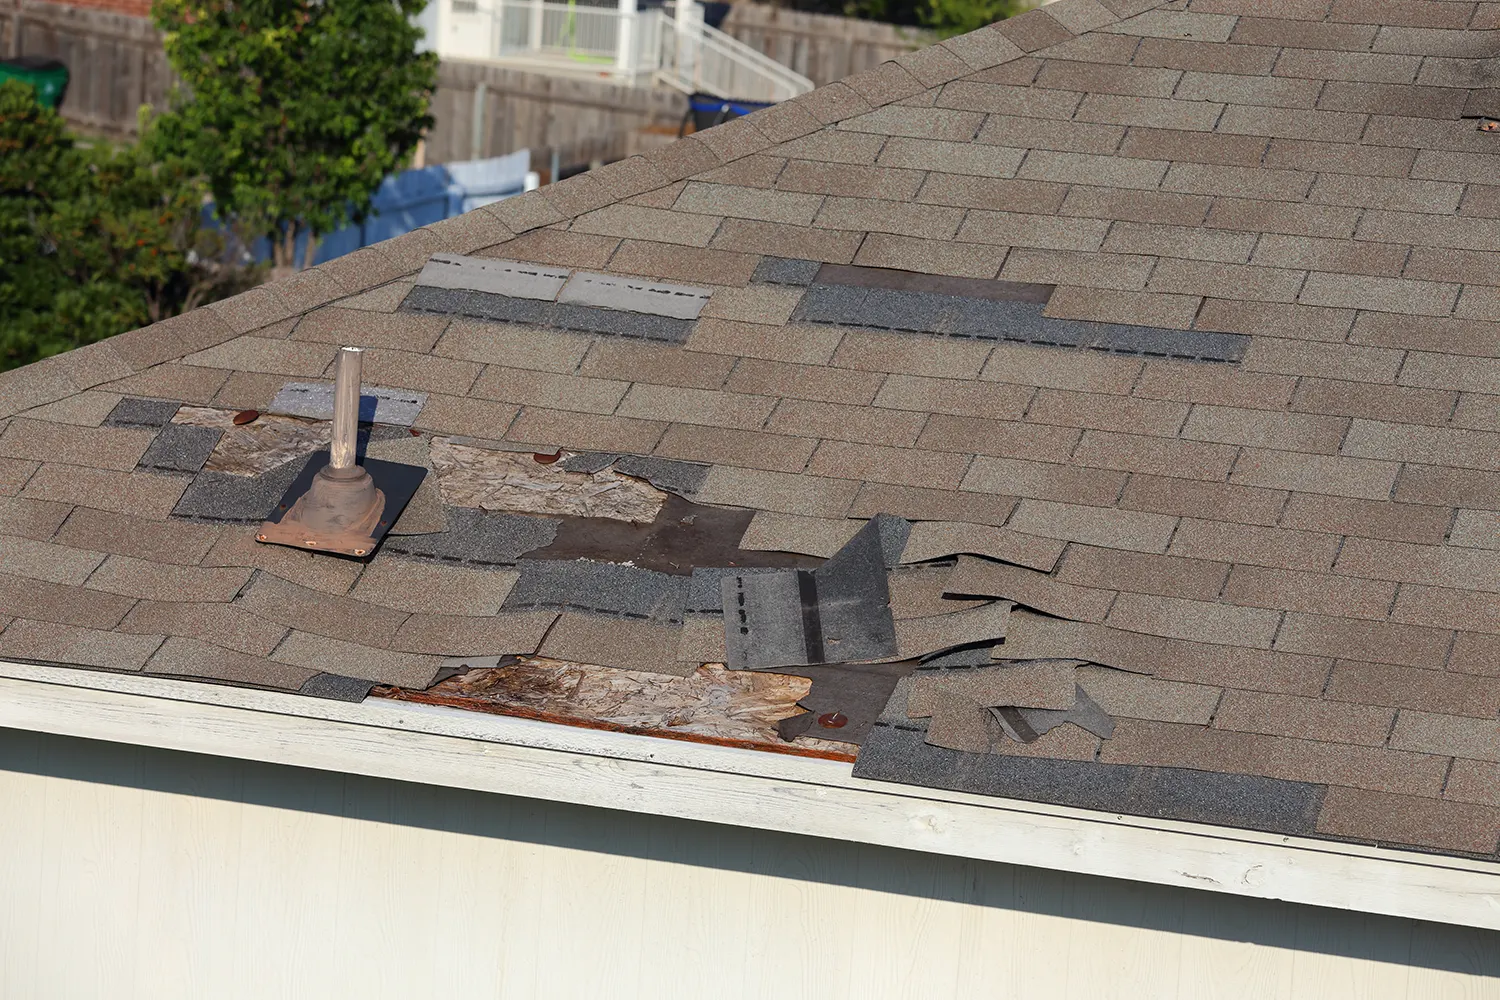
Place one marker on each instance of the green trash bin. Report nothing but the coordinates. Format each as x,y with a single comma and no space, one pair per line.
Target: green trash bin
48,76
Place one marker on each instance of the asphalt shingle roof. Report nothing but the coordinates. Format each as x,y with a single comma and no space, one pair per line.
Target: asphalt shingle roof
1285,540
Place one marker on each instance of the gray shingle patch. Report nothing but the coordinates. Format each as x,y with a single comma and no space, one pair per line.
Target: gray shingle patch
336,687
664,473
991,289
1021,322
377,404
705,592
501,277
132,412
479,537
448,301
901,754
588,462
603,588
838,613
785,271
218,496
613,291
561,315
181,448
592,319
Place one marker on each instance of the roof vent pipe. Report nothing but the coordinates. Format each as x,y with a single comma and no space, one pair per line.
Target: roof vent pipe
342,508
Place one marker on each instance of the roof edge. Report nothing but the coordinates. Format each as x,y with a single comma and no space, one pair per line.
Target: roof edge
448,747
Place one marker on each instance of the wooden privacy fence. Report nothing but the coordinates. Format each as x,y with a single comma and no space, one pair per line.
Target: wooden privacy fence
821,47
115,61
485,110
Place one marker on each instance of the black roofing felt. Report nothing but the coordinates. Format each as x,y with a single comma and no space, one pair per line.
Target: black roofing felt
901,754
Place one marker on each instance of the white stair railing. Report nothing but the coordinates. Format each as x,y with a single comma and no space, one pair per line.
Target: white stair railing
635,47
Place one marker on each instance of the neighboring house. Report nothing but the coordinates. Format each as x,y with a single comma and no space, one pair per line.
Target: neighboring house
1165,336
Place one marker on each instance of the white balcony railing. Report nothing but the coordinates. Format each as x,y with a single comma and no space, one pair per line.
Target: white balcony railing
630,45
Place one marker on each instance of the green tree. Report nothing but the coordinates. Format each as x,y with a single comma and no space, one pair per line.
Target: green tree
95,240
295,110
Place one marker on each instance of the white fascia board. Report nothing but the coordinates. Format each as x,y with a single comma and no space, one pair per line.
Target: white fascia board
488,753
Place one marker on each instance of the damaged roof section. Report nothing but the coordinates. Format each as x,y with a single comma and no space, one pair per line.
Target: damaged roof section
1167,334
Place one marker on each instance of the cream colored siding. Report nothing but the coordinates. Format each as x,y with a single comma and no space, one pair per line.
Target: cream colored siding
129,872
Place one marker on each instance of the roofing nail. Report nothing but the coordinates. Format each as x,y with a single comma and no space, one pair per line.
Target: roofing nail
543,458
833,720
246,417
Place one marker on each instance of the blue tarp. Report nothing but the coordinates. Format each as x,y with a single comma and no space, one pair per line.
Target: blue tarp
416,198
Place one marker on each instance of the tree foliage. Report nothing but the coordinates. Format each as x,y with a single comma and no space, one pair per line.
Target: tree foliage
295,110
94,240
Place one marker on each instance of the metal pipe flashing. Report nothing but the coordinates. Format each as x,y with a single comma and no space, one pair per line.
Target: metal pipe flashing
346,383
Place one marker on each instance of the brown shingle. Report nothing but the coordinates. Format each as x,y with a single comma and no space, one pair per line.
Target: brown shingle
513,346
1035,442
1044,232
192,658
32,518
1097,270
1100,78
1375,642
221,624
324,614
631,645
1397,404
999,193
419,371
510,632
1458,736
1261,429
746,449
408,585
1167,745
974,577
1215,501
271,357
834,385
1154,455
1019,136
385,666
585,431
1257,546
532,388
1407,819
1335,475
1304,718
712,407
1142,573
867,425
49,641
1042,480
1140,206
902,466
1116,529
922,504
138,493
1196,383
899,354
748,203
796,344
1200,621
173,381
769,304
638,222
1318,593
559,247
1473,781
1135,696
675,263
118,448
1053,369
469,417
237,546
1158,307
401,331
655,364
35,560
1181,241
157,581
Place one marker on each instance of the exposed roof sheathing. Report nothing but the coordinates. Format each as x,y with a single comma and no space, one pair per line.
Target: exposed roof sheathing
1235,459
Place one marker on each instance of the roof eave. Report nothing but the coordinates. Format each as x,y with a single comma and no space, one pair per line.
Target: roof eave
448,747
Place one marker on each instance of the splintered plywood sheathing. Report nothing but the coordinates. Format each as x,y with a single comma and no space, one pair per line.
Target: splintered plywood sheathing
339,506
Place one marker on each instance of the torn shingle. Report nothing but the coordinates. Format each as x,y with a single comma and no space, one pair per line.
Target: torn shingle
181,448
983,625
1045,684
1025,724
131,412
664,473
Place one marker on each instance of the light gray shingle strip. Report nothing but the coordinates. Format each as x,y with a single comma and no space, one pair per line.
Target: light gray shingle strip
134,412
181,448
656,298
377,404
900,753
516,279
602,588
